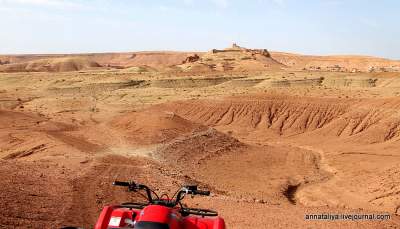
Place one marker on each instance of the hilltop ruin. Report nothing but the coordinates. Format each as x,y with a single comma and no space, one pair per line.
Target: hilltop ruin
234,58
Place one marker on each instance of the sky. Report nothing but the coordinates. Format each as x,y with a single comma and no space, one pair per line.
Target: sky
319,27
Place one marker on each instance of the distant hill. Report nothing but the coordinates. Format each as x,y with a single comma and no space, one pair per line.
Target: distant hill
234,58
343,63
59,64
13,63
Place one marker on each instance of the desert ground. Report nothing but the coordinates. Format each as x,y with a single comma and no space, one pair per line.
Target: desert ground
273,135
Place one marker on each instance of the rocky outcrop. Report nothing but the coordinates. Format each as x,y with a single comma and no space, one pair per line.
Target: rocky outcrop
234,58
237,48
4,62
191,59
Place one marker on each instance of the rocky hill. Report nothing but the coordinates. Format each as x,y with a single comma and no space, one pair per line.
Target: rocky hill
235,58
347,63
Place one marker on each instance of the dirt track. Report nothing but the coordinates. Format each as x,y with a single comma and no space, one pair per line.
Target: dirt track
268,147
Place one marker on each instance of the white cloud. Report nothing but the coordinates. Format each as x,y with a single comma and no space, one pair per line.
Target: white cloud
279,2
369,22
44,3
36,2
221,3
188,2
164,8
333,2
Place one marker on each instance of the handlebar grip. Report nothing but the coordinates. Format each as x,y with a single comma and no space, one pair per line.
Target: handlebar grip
121,183
204,193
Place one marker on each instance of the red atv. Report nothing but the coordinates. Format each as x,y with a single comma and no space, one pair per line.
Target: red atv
159,213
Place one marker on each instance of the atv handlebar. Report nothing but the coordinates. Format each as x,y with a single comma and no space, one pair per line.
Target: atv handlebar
192,189
203,193
180,195
132,186
121,183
